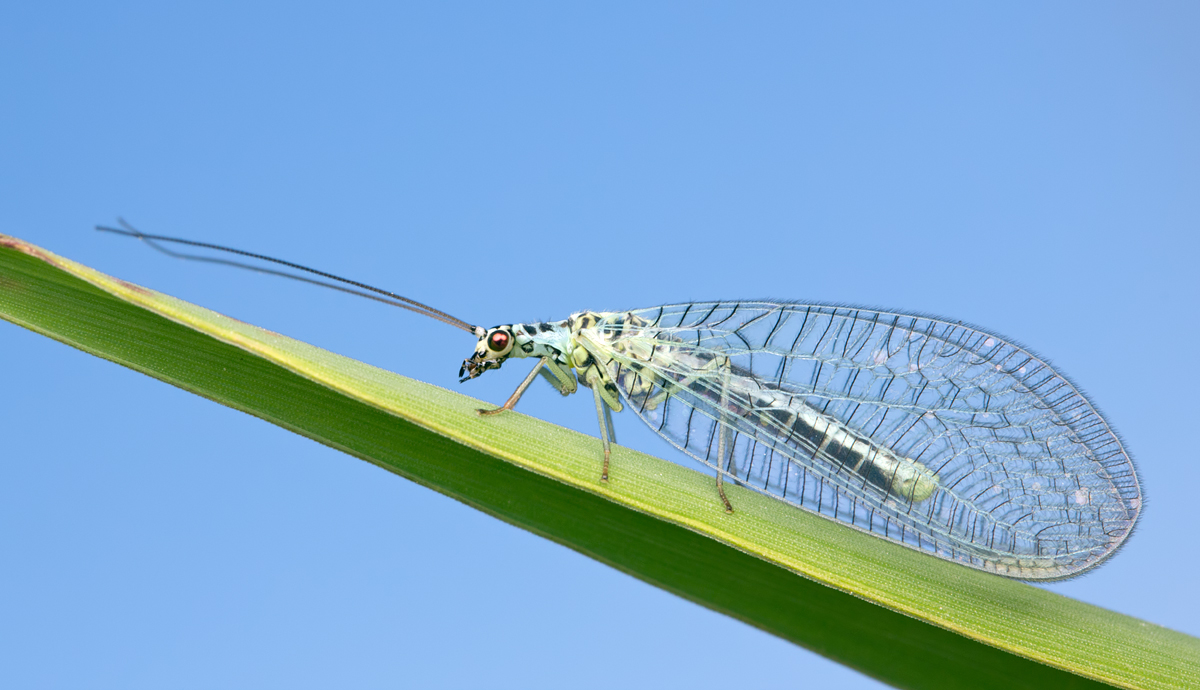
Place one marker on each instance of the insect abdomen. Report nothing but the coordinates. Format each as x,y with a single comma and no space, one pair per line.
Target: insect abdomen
841,447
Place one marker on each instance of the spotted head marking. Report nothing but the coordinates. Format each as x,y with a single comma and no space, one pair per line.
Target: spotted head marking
494,346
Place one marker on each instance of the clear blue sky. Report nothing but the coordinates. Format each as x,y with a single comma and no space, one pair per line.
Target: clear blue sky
1034,169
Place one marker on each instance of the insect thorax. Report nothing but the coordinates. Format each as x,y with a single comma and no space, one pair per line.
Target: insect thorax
561,340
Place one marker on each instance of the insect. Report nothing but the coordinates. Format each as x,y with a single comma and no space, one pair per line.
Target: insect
927,432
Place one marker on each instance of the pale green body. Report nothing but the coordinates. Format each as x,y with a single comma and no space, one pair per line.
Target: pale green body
602,351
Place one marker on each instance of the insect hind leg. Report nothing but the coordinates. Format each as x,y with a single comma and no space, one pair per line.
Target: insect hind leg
605,418
668,387
724,446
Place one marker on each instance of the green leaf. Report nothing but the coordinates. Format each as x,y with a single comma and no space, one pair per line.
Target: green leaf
900,616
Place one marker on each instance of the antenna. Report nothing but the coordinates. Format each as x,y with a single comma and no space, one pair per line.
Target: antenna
388,297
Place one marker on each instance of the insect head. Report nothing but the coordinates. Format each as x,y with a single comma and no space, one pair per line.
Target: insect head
494,346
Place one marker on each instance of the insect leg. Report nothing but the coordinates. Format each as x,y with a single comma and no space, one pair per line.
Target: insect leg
612,429
605,418
512,399
559,376
721,443
667,387
723,438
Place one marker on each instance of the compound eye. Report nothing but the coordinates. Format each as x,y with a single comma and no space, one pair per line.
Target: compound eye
499,342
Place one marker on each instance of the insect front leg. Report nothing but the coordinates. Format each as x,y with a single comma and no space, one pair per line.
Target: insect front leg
512,399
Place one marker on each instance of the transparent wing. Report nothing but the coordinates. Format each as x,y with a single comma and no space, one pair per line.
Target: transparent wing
934,434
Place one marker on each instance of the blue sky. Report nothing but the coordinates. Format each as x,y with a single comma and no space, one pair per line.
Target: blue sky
1032,169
